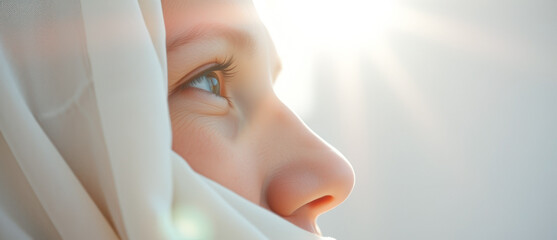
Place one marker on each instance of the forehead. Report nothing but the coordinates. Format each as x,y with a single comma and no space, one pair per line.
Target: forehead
204,21
181,15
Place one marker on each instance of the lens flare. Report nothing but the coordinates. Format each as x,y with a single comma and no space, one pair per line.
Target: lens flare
192,223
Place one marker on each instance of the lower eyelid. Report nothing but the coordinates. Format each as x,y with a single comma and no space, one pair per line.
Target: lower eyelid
201,101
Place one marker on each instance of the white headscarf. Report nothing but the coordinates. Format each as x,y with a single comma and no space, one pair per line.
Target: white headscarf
85,143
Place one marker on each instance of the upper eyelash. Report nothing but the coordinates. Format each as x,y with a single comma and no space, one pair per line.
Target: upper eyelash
226,67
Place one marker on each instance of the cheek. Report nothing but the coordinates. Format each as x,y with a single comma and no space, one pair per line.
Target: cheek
200,141
208,146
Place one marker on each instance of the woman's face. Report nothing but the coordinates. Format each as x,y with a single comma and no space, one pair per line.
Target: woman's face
228,123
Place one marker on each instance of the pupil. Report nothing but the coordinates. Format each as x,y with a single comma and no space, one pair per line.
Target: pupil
214,83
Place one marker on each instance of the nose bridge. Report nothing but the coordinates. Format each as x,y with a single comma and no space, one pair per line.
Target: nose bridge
306,176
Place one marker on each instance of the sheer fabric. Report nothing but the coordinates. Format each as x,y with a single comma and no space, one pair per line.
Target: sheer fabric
85,139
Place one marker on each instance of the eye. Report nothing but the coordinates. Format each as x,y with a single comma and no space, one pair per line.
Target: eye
209,82
212,79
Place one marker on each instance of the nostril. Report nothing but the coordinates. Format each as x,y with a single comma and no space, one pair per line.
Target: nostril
310,186
306,215
321,202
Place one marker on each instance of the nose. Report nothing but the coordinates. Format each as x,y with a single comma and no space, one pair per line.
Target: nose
304,176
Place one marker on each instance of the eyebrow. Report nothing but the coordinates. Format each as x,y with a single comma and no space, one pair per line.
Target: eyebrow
236,36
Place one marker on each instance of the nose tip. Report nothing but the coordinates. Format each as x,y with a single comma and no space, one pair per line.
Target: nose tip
315,179
304,176
306,188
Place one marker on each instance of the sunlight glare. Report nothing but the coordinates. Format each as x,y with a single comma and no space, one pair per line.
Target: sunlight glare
350,24
302,30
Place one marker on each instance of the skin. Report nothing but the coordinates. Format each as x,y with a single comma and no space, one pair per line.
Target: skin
249,142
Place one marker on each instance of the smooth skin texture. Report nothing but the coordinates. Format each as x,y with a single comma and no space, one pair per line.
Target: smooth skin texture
228,123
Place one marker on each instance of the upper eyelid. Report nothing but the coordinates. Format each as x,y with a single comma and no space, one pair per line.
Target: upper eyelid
212,68
196,73
215,66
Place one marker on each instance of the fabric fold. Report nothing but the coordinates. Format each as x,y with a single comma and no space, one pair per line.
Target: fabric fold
85,138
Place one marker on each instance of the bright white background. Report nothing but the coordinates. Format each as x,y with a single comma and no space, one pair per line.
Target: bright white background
446,109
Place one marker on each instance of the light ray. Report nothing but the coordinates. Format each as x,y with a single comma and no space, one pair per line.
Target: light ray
405,87
463,36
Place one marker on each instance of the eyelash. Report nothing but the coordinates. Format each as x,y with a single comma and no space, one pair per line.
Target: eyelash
227,70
